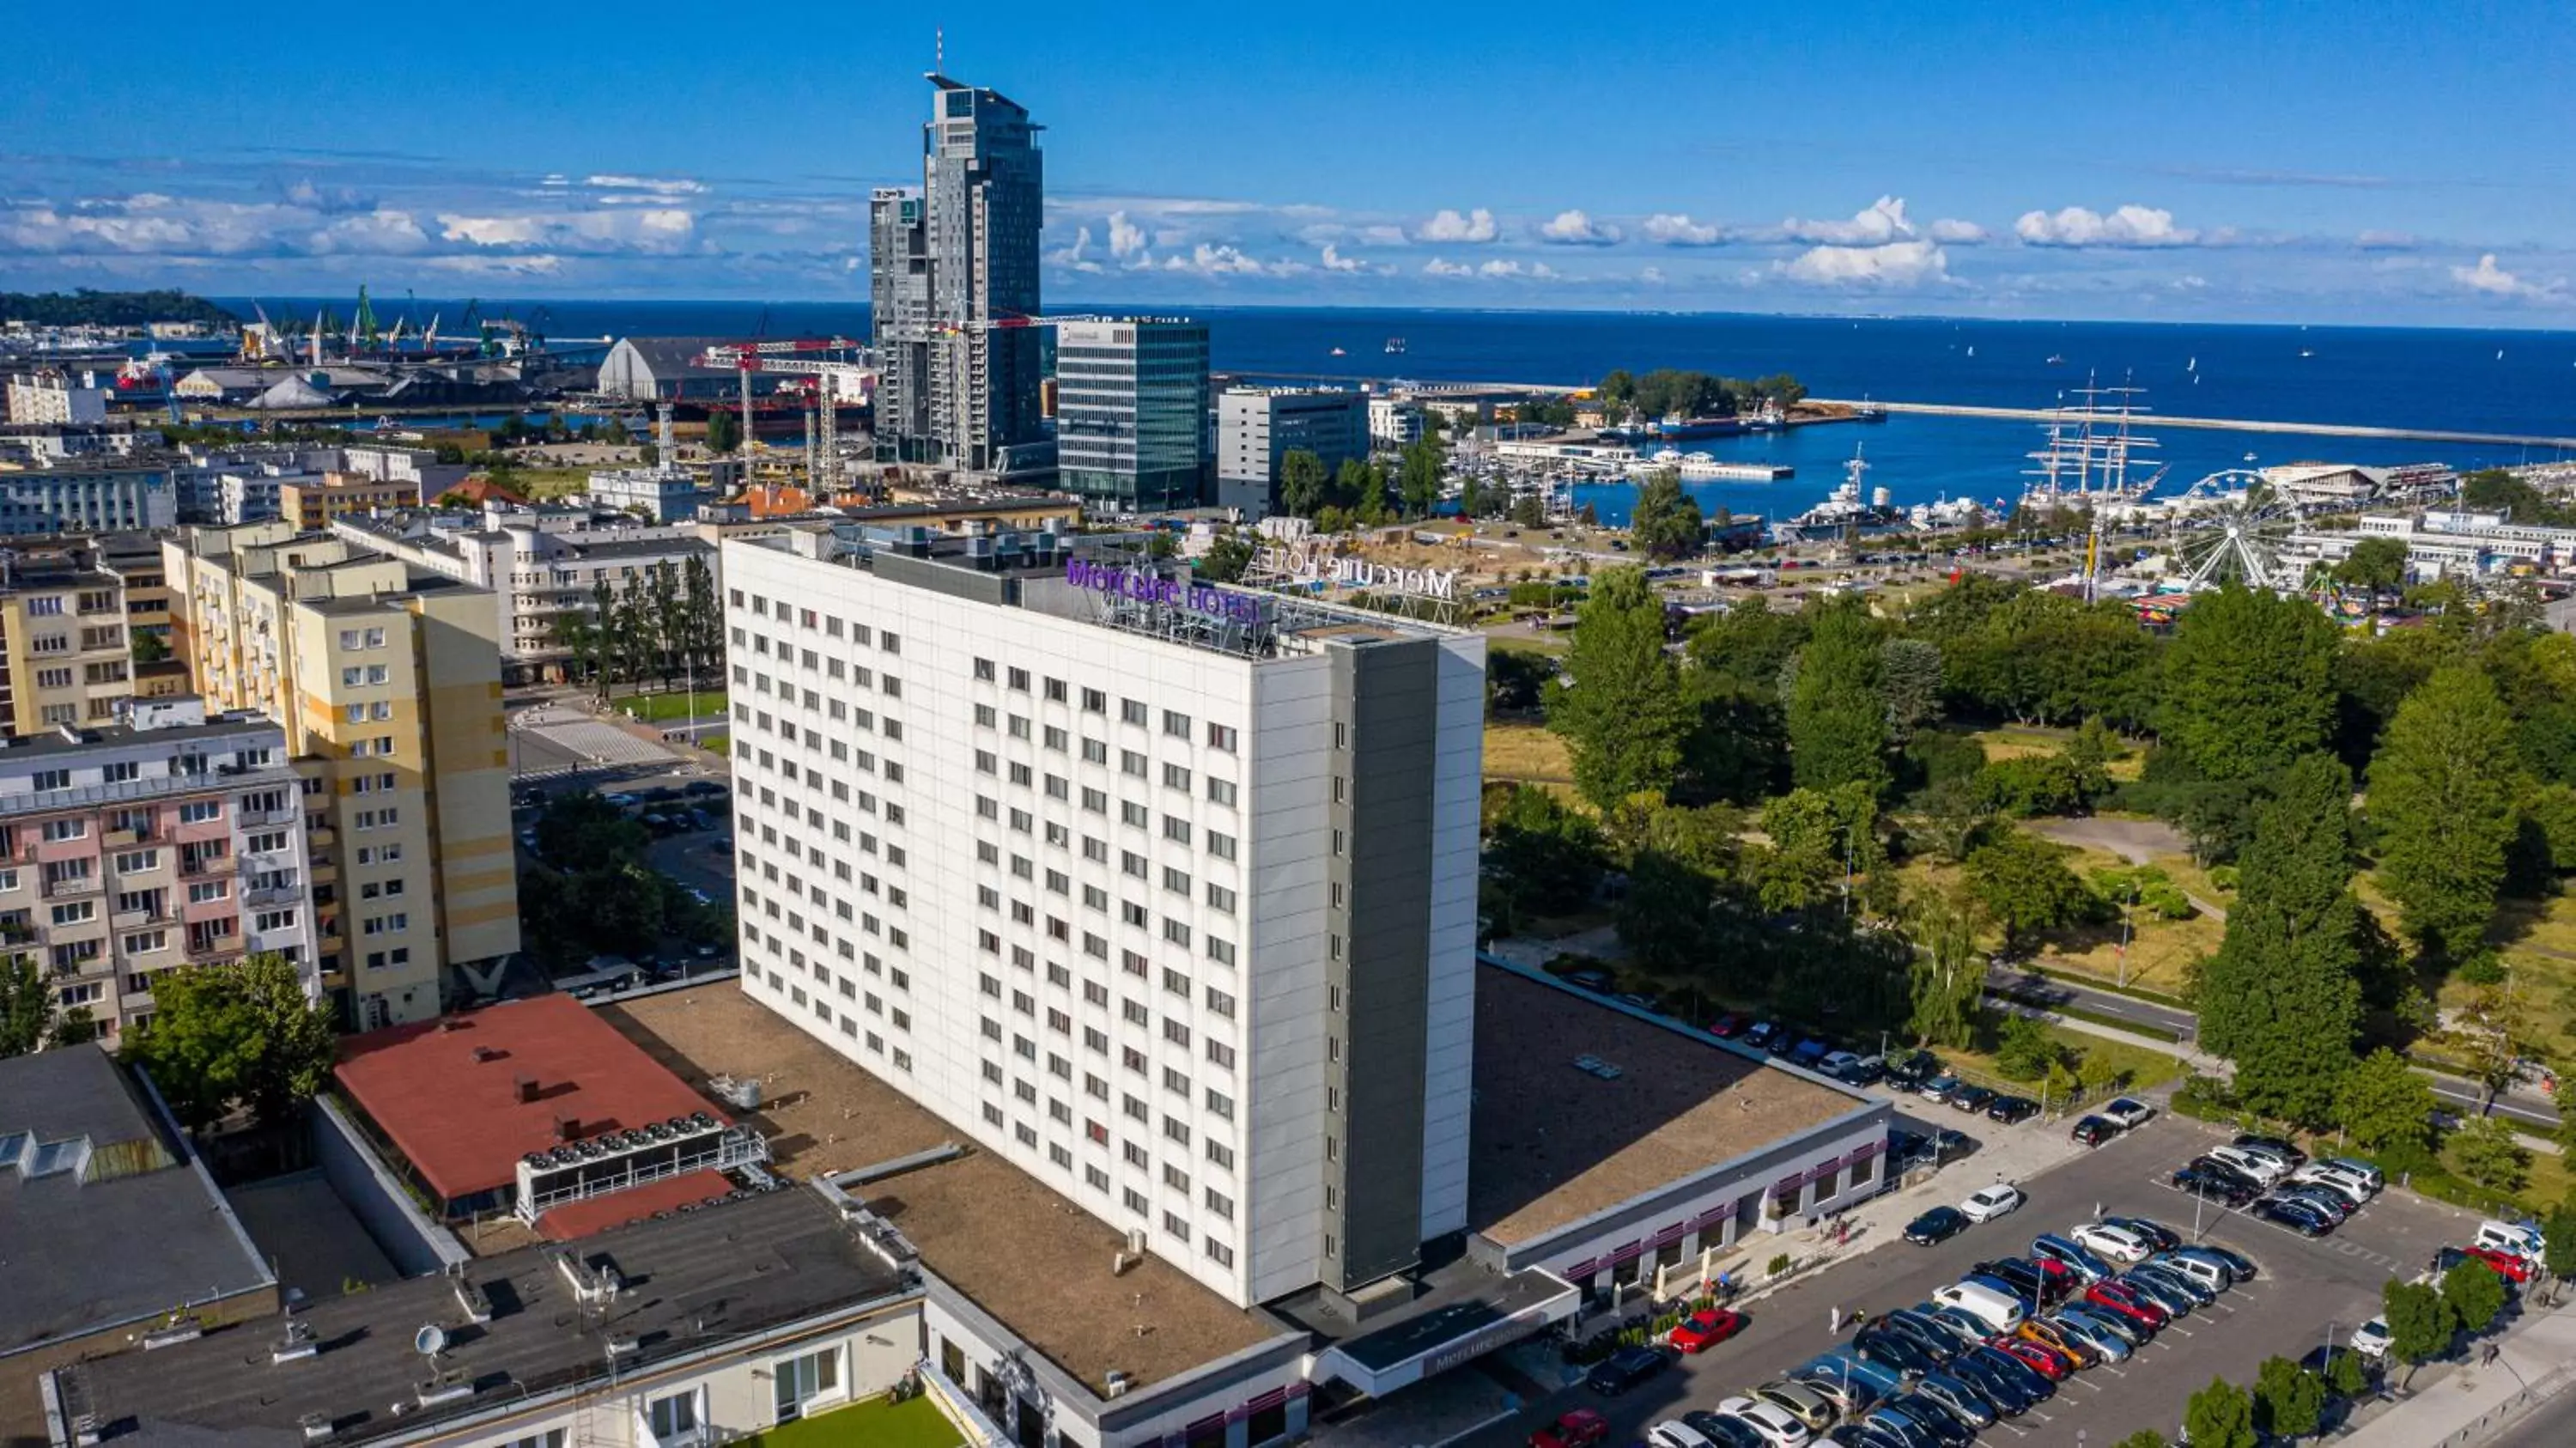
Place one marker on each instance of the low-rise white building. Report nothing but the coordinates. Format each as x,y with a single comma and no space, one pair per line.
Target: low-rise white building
53,397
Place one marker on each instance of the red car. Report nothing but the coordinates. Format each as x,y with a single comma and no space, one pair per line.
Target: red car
2047,1361
1728,1026
2128,1304
1705,1329
2508,1266
1580,1428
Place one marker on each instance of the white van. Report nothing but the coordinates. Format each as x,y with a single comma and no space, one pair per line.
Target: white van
1986,1305
2509,1237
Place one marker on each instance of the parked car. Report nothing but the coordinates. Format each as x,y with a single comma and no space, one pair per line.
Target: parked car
2242,1266
2372,1339
1773,1422
2028,1280
2127,1112
1964,1401
1911,1070
2011,1110
1724,1432
1971,1099
2035,1357
2110,1243
1799,1401
1705,1329
2163,1291
2128,1303
702,787
1934,1419
1623,1370
1987,1203
2325,1199
1579,1428
1863,1071
2510,1237
2077,1258
2262,1167
1763,1036
2207,1271
1936,1226
2210,1179
2092,1130
2289,1155
2305,1218
1997,1307
2508,1266
2088,1331
1728,1026
2158,1235
1938,1088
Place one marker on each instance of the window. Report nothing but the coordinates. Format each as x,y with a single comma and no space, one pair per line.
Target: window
1176,776
800,1381
1221,737
1094,702
1132,711
1220,791
1176,724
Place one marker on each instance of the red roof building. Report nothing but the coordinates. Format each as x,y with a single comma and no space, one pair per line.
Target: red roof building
459,1100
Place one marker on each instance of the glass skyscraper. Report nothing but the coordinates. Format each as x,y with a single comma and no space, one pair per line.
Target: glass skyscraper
953,273
1132,413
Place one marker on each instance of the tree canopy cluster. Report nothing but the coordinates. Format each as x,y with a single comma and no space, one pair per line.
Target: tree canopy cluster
594,893
664,625
84,307
1755,768
1673,392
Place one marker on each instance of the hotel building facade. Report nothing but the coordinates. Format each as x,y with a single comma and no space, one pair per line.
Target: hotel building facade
1164,893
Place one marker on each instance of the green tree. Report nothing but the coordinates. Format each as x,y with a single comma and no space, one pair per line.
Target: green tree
150,648
2282,996
1665,524
2420,1323
1947,983
2484,1151
1836,716
2383,1105
2024,1050
1302,483
2474,1293
2558,1241
1226,559
2487,1031
2024,884
237,1035
2289,1401
1909,678
724,430
1625,715
1547,856
2143,1438
1954,814
2374,563
2220,1416
1418,479
2442,804
1528,511
2248,682
26,1006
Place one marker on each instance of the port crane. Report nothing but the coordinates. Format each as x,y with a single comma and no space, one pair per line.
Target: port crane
788,356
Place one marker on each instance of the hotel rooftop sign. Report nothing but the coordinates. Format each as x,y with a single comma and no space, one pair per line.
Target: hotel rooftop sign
1309,561
1141,585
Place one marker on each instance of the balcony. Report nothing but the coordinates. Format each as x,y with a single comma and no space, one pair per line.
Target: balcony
273,895
214,867
74,887
138,919
215,946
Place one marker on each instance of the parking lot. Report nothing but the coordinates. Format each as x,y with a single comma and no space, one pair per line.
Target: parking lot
2308,1289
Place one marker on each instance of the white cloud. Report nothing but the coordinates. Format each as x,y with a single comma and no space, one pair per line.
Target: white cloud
1477,226
1576,228
1878,223
1956,233
1334,261
1536,270
1125,237
1652,276
660,185
2385,241
497,266
654,228
1208,260
2129,226
1672,228
1439,267
1077,257
2488,279
1897,264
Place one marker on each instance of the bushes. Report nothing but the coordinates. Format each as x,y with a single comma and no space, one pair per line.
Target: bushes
2147,887
2034,784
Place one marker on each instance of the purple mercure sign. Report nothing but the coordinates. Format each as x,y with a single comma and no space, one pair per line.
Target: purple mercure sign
1146,587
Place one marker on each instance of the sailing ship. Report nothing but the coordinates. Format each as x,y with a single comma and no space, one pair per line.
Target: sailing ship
2094,455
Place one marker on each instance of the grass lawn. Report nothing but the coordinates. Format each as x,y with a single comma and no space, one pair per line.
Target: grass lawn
543,484
716,743
2144,1068
1532,753
2160,951
1551,645
2016,741
654,708
871,1423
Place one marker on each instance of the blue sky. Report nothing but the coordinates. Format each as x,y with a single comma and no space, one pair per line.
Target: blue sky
2350,163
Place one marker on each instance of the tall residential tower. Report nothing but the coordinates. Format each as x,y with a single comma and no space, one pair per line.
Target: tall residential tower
953,274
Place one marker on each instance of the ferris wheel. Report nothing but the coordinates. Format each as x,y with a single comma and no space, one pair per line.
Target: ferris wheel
2236,533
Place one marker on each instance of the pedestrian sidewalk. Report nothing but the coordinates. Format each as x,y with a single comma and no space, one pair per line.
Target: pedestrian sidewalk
2534,1362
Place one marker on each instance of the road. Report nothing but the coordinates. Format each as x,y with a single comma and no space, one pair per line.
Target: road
2528,1108
2554,1426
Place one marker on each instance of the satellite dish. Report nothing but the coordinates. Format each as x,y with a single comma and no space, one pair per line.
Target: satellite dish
430,1341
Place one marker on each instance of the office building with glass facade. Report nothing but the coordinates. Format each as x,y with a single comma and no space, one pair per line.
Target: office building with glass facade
1131,413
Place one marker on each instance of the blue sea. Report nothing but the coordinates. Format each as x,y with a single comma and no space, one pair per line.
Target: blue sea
2465,380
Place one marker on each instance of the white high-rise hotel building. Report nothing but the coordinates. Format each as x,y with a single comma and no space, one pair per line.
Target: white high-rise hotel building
1166,894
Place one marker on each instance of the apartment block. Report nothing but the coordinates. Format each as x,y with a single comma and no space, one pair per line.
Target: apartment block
86,496
310,506
54,397
1164,893
64,651
129,851
387,680
538,565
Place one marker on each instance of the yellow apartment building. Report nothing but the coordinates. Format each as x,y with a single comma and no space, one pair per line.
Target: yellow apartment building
388,682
